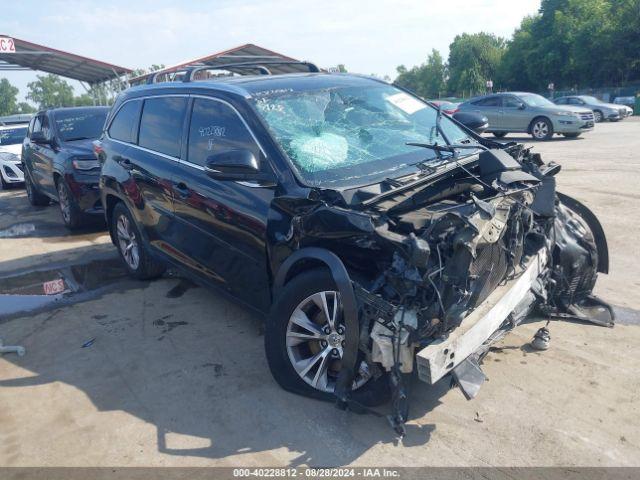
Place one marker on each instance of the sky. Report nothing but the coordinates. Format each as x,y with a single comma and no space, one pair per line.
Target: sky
367,36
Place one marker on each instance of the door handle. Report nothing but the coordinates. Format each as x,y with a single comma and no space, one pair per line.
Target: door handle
182,190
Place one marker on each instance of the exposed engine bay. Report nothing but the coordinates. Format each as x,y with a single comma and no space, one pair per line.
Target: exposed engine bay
443,266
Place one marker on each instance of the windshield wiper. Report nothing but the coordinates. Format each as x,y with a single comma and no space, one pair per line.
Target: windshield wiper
449,148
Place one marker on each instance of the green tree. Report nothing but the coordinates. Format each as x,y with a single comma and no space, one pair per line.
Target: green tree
575,43
84,100
24,107
50,91
8,97
474,59
427,80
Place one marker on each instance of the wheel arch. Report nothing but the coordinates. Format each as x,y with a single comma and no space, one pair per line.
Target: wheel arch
596,228
538,117
313,257
110,202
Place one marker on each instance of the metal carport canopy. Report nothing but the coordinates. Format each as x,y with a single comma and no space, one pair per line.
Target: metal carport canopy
31,56
244,53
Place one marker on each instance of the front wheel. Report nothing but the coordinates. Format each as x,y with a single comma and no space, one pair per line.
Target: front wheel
131,247
597,116
304,340
71,213
541,129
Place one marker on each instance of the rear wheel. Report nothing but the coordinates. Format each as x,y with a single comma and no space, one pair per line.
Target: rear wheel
499,134
36,198
71,213
541,129
133,251
304,341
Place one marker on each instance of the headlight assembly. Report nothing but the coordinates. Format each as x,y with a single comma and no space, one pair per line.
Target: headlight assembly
85,164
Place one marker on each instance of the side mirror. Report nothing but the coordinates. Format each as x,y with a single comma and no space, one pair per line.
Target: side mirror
39,138
234,165
522,106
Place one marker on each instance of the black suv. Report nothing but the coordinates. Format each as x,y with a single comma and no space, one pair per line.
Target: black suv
60,164
372,231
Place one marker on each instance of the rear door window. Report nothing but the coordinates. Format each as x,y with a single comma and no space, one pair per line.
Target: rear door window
215,127
511,102
125,124
161,124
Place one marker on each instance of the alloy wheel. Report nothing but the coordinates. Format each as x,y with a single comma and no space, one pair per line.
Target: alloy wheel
540,129
127,242
597,116
64,202
315,339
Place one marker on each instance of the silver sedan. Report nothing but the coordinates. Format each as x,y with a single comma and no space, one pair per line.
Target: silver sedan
601,110
520,112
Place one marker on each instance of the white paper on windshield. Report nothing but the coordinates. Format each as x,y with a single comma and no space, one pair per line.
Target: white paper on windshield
406,103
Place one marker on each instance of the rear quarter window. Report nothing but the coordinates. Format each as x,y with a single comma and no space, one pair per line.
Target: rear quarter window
161,124
125,124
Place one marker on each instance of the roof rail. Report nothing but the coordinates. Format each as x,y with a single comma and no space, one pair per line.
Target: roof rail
261,66
154,75
188,73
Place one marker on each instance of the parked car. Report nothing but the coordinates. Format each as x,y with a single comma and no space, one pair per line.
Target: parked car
629,102
601,110
16,119
11,137
370,230
529,113
447,107
59,162
474,121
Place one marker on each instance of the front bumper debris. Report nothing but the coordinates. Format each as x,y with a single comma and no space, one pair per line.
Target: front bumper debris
443,356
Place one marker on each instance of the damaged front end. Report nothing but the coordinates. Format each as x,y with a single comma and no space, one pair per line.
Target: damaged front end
444,266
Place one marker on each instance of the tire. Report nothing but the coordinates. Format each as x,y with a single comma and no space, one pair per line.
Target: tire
499,134
137,259
5,185
598,116
541,128
572,135
36,198
71,214
280,329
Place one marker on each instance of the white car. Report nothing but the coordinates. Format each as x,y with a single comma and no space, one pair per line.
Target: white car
11,137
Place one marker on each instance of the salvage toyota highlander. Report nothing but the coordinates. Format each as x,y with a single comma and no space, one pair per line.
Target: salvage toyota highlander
377,234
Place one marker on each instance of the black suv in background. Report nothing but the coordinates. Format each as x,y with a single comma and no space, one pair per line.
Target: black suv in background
366,225
60,164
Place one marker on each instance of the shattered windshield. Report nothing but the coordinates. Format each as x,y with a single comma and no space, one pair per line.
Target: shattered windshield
350,135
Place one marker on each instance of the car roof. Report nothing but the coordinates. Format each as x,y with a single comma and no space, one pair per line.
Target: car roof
249,85
74,109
